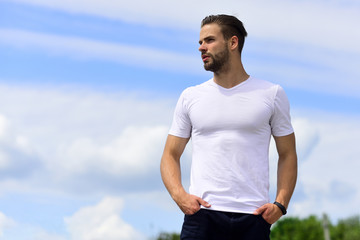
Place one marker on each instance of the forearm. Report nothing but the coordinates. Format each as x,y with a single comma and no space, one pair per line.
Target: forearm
287,174
171,175
286,178
170,165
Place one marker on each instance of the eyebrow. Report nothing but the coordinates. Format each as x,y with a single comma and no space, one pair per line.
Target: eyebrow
205,39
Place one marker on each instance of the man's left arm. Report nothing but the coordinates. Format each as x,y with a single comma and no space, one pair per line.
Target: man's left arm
286,178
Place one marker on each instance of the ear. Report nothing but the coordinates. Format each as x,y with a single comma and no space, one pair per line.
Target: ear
233,42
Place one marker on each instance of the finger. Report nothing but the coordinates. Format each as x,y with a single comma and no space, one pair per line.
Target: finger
260,210
193,210
203,203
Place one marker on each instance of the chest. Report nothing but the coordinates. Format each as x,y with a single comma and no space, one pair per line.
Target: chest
241,112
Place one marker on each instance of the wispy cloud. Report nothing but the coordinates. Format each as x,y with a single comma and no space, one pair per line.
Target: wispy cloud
308,68
296,21
86,49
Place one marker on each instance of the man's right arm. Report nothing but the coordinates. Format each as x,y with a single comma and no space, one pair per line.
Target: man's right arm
171,176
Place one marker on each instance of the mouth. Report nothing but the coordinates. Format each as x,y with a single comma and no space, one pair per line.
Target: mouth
205,57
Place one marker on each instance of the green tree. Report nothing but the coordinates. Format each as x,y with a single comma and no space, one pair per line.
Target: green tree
310,228
347,229
168,236
296,229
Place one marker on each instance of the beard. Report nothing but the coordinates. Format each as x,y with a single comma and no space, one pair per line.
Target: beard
218,61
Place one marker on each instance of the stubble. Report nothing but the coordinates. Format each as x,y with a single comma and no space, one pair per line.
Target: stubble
218,61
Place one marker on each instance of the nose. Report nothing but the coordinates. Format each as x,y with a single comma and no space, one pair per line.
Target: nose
202,48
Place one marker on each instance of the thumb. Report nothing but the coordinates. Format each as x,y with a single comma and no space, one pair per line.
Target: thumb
204,203
260,210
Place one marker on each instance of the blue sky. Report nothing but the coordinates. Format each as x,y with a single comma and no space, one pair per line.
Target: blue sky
87,91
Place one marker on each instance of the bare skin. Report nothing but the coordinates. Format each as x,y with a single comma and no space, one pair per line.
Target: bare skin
232,73
286,178
212,41
171,175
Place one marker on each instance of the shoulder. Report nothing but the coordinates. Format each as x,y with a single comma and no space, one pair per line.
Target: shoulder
264,87
269,90
260,83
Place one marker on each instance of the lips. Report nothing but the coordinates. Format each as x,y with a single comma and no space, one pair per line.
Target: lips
205,57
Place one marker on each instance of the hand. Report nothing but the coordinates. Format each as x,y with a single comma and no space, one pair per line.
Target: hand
190,204
270,212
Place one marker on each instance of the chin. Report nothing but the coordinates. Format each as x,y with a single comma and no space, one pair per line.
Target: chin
207,66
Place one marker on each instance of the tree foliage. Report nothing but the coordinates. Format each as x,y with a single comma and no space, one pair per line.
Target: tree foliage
310,228
347,229
168,236
293,228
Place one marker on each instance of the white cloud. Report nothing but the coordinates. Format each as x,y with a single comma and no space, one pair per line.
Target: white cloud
314,67
307,135
101,221
81,141
87,142
132,153
328,176
330,24
72,142
85,49
44,235
5,223
15,153
305,67
3,126
11,230
327,165
313,43
97,222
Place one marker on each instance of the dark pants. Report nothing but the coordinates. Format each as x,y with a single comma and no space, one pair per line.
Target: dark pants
216,225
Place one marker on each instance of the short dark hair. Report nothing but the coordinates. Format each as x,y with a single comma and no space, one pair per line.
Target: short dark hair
230,26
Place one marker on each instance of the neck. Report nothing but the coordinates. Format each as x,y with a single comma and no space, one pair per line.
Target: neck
231,75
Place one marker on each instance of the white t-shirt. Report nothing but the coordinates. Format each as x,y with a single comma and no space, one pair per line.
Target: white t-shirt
230,131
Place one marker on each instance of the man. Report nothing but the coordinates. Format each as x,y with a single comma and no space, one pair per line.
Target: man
230,119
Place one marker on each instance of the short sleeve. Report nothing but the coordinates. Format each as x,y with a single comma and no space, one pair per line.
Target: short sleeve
181,124
280,121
